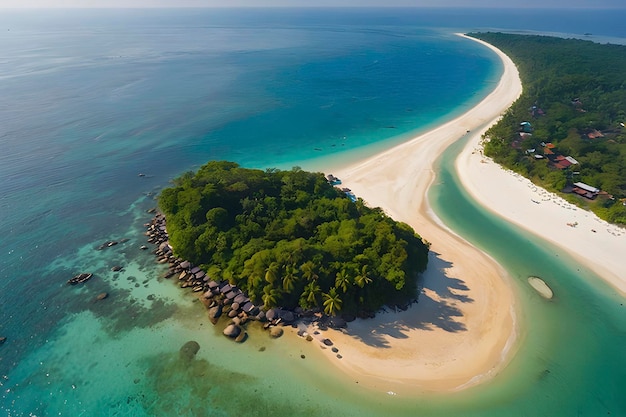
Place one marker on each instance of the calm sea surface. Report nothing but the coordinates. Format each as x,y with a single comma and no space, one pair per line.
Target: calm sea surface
92,99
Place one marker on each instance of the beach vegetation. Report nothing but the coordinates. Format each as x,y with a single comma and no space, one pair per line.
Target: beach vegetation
290,239
574,102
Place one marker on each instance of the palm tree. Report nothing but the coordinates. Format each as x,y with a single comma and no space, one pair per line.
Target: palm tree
290,278
271,273
308,271
311,291
332,302
363,278
342,280
270,296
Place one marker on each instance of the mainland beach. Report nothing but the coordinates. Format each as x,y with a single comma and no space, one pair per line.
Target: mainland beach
463,329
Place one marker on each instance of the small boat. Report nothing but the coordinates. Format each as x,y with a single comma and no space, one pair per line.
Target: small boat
79,279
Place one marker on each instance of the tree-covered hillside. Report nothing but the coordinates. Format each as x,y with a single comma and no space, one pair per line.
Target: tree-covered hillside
568,125
289,238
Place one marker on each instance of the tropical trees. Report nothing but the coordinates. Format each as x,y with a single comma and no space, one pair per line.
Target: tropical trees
310,295
363,278
289,238
332,302
342,280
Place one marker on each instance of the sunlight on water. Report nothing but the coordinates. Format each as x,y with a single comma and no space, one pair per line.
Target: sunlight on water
98,99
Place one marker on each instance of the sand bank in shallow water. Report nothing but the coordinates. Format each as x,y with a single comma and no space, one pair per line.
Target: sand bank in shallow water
541,287
463,327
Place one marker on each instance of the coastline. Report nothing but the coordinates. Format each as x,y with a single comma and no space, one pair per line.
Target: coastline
593,242
463,329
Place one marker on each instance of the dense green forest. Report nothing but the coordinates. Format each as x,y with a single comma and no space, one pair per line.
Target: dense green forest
289,238
568,125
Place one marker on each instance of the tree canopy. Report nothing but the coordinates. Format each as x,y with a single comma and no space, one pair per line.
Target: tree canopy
289,238
574,101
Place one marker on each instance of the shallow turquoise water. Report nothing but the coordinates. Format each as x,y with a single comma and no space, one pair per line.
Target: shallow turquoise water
96,99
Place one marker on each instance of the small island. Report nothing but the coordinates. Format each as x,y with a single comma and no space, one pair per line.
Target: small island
291,239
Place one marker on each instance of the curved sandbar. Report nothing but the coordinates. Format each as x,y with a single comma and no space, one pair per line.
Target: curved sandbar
463,328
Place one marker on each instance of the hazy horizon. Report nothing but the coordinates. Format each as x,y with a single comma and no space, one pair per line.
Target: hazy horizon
513,4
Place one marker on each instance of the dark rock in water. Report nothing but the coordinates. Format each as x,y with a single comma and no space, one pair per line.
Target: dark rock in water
327,342
276,332
102,296
335,350
242,337
232,331
215,313
79,279
302,356
262,349
2,340
116,268
189,350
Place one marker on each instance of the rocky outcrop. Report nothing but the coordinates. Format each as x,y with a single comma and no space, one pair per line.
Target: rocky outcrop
80,278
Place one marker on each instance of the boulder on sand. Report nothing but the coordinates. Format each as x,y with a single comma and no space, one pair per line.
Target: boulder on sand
242,337
276,332
215,313
232,331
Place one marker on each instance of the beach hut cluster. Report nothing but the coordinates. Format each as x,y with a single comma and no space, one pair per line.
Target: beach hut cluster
219,297
334,181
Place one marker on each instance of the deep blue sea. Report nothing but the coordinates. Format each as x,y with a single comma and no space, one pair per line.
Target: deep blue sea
91,99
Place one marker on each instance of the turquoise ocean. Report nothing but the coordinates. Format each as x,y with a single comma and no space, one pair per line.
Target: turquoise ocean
91,99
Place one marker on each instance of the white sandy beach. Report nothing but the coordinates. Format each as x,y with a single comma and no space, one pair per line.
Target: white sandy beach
593,242
463,328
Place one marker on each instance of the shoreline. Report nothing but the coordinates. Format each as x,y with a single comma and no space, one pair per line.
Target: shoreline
593,242
463,331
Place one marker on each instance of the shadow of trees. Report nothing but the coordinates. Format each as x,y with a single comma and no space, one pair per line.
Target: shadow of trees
437,308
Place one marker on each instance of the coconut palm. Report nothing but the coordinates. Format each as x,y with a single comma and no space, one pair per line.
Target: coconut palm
271,273
308,271
342,280
310,293
332,302
363,278
270,296
289,278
